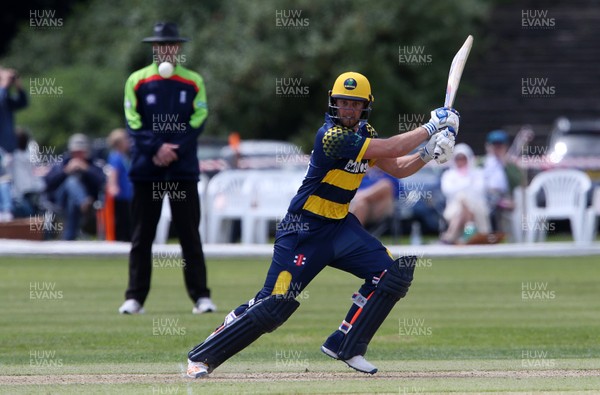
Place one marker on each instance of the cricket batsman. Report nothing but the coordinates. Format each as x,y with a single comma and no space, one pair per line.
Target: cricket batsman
319,231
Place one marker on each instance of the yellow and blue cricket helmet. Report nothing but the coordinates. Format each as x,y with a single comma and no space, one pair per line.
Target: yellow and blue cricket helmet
352,86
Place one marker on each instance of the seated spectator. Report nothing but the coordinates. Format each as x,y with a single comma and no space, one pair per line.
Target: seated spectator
463,185
74,184
118,185
26,185
374,200
501,178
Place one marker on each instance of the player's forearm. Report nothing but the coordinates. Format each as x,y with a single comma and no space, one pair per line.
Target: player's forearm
409,141
396,146
407,165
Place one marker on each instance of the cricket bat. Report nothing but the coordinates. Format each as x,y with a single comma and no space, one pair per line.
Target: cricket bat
456,70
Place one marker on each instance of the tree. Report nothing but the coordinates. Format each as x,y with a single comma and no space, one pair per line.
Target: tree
245,50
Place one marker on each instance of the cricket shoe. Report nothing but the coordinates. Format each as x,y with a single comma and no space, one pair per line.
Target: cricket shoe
204,305
196,370
131,306
357,362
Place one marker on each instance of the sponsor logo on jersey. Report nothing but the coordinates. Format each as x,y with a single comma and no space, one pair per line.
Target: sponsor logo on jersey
356,167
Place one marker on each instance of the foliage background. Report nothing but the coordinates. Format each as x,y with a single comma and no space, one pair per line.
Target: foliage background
240,51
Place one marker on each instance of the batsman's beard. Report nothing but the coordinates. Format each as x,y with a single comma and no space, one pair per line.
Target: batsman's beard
348,122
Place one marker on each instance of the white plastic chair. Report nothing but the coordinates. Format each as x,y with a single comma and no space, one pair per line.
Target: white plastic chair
271,193
518,233
202,188
162,229
566,198
591,218
227,198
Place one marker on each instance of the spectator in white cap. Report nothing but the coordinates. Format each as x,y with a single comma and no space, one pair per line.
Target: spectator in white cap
74,184
463,186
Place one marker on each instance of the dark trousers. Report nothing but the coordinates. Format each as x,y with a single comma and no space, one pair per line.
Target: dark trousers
304,246
185,211
122,220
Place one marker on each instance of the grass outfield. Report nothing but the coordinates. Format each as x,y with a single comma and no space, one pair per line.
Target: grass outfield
470,325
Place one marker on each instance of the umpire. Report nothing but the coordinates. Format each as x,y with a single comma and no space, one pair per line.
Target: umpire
165,114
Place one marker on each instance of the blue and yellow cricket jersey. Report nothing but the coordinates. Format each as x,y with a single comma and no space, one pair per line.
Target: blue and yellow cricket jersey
335,171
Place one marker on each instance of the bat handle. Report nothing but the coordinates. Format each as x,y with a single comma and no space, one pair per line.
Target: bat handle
437,152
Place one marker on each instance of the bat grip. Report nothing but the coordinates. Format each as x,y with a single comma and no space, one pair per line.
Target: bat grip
437,151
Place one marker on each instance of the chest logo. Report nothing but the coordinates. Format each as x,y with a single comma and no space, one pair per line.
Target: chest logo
356,167
151,99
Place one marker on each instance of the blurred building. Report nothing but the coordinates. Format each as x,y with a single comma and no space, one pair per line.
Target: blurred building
540,61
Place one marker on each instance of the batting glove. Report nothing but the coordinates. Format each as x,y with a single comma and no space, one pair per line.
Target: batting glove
442,118
444,146
426,152
439,147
